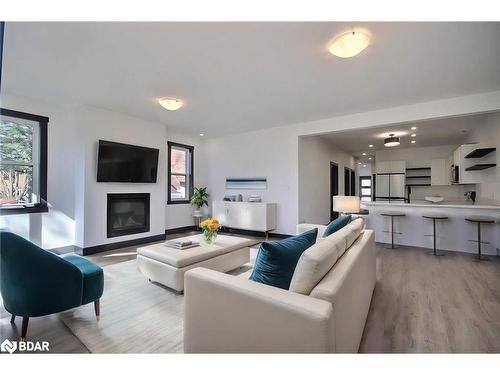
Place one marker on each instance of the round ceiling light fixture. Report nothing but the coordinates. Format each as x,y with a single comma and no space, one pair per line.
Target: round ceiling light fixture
170,104
349,44
391,141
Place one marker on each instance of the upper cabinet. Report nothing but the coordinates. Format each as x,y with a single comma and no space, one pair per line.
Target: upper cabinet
440,172
398,166
460,160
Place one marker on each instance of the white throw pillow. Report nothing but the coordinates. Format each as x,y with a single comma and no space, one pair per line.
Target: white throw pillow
315,262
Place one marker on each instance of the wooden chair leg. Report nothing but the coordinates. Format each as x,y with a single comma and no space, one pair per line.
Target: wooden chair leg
12,319
24,328
97,309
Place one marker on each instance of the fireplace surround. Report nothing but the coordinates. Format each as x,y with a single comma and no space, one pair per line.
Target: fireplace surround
127,213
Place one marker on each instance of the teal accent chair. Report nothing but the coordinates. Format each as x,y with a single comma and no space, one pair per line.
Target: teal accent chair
35,282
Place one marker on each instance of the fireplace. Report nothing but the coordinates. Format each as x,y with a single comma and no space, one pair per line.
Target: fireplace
127,214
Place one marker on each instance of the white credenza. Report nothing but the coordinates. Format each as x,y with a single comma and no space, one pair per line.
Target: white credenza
259,217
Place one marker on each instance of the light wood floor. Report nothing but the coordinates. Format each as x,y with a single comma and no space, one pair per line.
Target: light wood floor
420,304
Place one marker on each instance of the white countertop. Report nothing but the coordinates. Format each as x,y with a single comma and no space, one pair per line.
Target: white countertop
423,203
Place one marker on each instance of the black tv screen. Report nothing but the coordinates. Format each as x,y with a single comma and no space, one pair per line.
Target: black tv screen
118,162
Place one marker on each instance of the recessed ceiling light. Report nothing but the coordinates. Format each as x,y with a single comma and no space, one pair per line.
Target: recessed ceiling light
359,163
171,104
413,128
369,158
413,135
370,145
364,154
413,141
201,134
392,141
349,44
364,165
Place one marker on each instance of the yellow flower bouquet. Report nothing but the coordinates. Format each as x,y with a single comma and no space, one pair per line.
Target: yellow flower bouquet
210,228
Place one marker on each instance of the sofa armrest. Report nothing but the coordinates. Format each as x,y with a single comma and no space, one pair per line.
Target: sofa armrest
301,228
228,314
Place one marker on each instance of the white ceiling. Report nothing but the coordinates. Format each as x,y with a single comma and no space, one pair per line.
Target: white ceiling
235,77
449,131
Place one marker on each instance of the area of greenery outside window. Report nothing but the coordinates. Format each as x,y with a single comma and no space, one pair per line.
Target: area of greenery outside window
23,162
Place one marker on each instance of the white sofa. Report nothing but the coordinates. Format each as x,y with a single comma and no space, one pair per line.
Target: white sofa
325,313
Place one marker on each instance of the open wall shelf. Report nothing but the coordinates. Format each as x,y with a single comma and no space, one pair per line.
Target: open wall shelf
479,153
480,167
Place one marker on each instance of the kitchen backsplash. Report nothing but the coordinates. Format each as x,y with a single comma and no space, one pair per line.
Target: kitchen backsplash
453,193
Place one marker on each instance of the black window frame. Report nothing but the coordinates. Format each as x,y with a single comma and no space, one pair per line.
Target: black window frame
42,188
169,173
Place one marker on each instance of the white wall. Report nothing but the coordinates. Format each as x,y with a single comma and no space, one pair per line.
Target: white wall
181,215
416,156
315,155
488,135
270,153
95,124
56,228
77,203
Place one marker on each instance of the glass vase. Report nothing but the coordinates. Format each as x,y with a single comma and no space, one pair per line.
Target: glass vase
209,236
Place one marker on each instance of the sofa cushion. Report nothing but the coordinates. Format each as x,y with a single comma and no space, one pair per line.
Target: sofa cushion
318,260
276,260
337,224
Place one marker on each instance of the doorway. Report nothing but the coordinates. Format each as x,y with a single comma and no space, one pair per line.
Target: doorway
334,187
349,182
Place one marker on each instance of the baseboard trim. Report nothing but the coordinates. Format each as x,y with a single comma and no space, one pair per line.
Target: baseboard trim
64,250
244,232
188,228
116,245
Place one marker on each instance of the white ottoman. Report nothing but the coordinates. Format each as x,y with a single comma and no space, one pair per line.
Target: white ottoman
167,266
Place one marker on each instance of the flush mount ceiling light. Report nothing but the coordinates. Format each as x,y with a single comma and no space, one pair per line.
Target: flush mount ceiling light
392,141
364,154
370,145
349,44
201,134
171,104
413,135
413,141
413,128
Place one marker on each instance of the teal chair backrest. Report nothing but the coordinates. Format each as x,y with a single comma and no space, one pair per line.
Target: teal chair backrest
35,282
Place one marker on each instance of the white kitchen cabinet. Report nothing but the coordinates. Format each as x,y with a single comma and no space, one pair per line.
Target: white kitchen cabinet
466,177
393,166
254,216
440,172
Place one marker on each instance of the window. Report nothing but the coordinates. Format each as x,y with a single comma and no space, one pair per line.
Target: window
23,162
365,188
180,173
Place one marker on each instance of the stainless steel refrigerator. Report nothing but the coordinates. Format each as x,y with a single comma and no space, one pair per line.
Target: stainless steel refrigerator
390,186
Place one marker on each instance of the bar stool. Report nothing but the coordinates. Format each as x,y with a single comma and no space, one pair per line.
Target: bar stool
392,215
480,220
434,217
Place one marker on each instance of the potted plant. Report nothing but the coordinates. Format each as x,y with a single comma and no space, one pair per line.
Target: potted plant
199,199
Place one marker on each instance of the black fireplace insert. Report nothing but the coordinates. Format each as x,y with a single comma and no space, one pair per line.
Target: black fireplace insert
127,214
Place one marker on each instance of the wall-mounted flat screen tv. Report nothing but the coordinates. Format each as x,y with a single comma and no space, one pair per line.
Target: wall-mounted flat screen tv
118,162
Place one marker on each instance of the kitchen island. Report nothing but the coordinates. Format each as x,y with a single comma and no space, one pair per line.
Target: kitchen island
454,234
